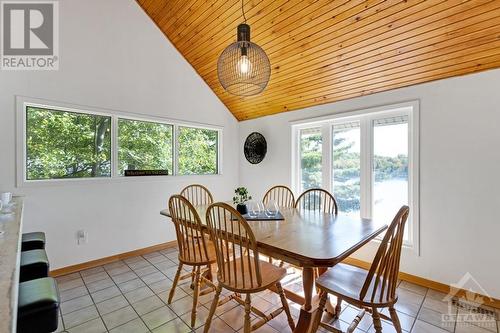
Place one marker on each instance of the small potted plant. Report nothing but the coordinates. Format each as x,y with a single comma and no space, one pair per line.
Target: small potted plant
240,200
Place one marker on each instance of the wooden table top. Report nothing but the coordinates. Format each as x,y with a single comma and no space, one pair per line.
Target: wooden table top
309,238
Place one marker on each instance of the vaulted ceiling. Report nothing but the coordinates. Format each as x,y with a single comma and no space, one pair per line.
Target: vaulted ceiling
323,51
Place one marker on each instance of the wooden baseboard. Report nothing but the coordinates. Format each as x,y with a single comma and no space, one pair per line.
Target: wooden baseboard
107,260
438,286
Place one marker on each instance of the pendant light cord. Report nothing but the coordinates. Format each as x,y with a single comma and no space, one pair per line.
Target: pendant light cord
243,12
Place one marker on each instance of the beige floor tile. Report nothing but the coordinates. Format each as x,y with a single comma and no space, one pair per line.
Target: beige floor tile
91,271
104,294
147,305
92,326
134,326
423,327
182,305
158,317
119,270
161,285
138,294
81,316
69,284
349,313
124,277
201,317
119,317
174,326
76,304
95,277
99,285
134,284
217,326
413,287
112,305
437,319
66,295
68,277
146,270
235,317
154,277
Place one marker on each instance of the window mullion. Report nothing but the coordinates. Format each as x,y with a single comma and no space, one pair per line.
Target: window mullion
366,167
327,150
114,146
175,152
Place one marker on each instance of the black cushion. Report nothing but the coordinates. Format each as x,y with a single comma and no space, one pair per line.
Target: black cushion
34,265
38,306
33,241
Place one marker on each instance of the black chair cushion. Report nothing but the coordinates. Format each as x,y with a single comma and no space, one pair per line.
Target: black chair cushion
34,265
33,241
38,306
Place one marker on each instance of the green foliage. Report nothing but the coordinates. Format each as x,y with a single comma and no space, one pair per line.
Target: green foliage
144,145
241,196
197,151
62,144
311,159
67,145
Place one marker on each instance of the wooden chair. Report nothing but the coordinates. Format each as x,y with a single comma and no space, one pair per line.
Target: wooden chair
194,249
240,270
197,195
368,290
317,199
281,194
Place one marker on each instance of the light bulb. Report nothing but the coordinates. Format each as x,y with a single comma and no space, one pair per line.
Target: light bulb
244,65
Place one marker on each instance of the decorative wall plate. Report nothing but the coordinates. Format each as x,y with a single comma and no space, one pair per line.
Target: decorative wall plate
255,148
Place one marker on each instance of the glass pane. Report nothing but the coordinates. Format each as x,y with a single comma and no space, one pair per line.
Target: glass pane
144,145
62,144
347,167
311,143
197,151
390,167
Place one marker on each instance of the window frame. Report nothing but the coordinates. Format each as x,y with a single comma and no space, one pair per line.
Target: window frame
21,150
366,117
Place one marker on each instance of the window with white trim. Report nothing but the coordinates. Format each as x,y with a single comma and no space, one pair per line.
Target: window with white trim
367,159
67,143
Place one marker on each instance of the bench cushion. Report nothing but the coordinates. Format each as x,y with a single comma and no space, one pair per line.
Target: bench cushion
33,241
34,265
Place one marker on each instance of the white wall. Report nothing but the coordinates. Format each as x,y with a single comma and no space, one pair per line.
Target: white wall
112,57
459,173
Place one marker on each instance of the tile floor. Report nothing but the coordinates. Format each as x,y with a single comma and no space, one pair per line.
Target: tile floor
131,296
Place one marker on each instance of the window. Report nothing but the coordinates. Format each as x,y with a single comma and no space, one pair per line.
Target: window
370,158
144,145
197,151
310,158
58,143
346,164
62,144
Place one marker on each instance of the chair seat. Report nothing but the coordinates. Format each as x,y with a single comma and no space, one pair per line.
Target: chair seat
34,265
270,275
346,281
33,241
199,260
38,306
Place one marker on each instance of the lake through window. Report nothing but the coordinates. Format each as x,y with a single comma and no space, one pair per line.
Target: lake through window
369,159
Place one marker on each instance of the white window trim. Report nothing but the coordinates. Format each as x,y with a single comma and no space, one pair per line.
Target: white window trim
22,102
412,110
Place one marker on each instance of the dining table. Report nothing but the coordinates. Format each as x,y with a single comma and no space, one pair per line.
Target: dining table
311,240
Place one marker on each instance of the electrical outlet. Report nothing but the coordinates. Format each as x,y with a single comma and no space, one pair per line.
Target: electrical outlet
81,237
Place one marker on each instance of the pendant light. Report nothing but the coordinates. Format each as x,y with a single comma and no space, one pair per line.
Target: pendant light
243,67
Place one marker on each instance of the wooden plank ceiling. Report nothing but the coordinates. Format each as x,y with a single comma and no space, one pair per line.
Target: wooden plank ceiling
323,51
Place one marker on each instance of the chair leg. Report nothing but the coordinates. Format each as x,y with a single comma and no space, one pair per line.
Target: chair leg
395,319
285,306
197,283
248,306
319,312
212,309
338,307
377,324
174,285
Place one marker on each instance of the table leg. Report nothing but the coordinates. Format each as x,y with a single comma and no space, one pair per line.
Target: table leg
306,312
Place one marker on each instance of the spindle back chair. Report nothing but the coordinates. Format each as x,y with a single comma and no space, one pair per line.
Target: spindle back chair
317,199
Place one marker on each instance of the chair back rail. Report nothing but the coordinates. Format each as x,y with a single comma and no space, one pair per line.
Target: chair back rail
235,247
383,274
281,194
197,194
188,228
317,199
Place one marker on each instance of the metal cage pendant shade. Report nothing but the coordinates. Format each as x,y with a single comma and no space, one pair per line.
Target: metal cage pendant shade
243,67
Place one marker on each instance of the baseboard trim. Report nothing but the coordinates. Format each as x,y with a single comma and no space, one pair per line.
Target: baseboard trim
438,286
107,260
